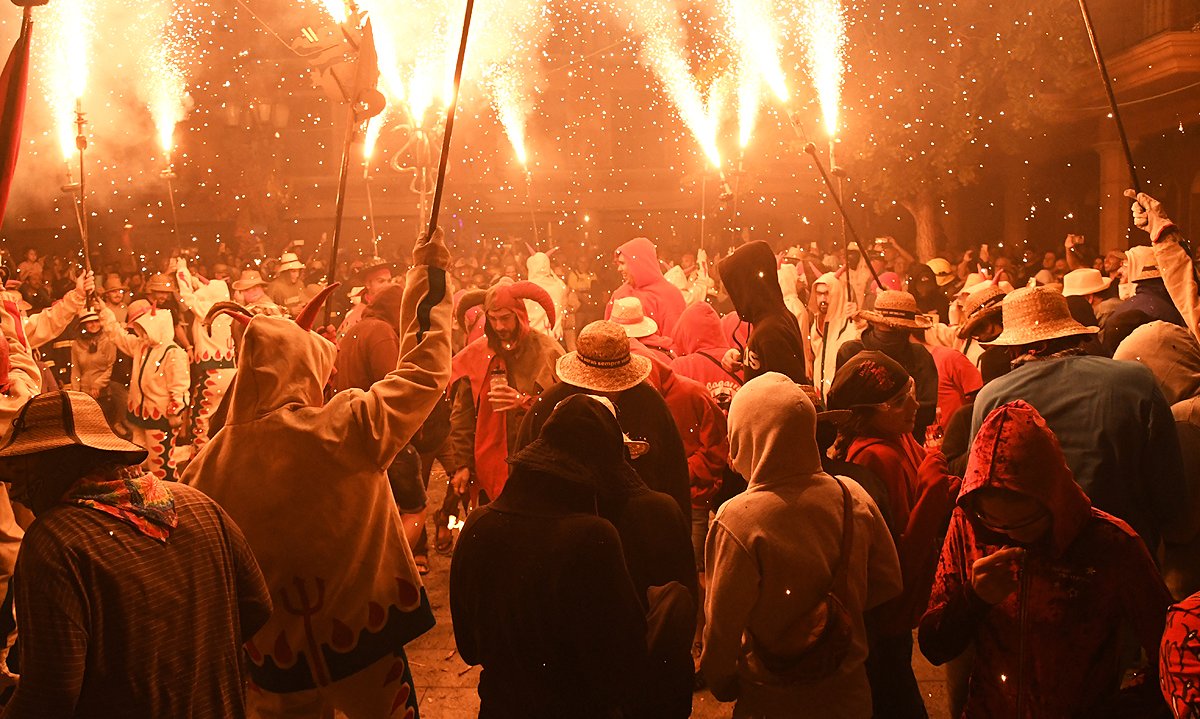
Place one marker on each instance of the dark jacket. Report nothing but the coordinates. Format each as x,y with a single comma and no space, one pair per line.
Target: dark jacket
644,416
1151,297
541,598
775,344
656,540
915,360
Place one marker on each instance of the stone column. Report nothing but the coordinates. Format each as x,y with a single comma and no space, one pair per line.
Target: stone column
1114,207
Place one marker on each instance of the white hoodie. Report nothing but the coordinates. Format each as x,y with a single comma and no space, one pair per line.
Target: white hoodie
828,336
160,376
540,274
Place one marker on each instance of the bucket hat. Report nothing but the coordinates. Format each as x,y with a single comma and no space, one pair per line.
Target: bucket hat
249,278
602,361
289,261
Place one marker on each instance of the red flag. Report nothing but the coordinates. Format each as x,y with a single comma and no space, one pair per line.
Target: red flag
13,84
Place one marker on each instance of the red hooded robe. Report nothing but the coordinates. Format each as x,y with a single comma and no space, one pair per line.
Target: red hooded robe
661,300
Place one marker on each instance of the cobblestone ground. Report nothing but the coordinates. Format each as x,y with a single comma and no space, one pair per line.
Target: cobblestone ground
447,686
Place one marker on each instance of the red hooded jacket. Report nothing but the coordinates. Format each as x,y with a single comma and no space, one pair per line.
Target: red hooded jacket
700,344
701,425
1089,576
661,300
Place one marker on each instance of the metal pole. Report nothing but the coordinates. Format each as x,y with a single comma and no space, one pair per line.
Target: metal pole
529,202
82,144
343,175
445,156
811,149
1112,99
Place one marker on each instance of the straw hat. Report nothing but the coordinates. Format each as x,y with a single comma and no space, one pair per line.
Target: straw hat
249,278
63,419
113,283
160,283
983,304
943,271
136,309
602,362
289,261
628,313
371,266
896,309
1036,314
1086,281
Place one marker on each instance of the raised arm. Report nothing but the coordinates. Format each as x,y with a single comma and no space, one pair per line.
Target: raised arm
1172,252
384,418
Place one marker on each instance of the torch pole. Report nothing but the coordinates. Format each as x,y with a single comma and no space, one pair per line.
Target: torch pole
445,156
1112,99
811,149
343,176
81,145
529,202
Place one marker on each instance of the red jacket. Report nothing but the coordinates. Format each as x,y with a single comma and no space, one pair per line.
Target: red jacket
700,344
1090,576
661,300
701,425
920,499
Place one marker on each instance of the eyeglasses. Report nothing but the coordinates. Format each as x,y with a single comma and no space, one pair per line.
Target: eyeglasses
910,390
1019,524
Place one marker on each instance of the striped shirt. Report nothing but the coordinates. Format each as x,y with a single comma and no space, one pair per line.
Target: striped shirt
115,624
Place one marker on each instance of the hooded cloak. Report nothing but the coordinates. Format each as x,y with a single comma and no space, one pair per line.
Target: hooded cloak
661,300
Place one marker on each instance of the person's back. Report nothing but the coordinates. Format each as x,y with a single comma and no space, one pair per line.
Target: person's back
1114,427
539,592
123,625
771,558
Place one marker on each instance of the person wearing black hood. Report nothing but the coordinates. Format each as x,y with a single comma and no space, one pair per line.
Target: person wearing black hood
539,592
922,283
775,343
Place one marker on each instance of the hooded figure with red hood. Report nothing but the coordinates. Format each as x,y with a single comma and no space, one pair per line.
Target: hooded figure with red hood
701,344
493,383
1042,584
661,300
775,344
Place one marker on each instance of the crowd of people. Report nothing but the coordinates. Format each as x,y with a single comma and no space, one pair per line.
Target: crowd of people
769,474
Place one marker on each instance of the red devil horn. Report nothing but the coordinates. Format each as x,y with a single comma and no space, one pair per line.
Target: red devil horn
527,290
308,315
233,309
469,299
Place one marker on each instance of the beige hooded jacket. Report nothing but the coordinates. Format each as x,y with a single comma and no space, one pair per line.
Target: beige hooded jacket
307,483
770,556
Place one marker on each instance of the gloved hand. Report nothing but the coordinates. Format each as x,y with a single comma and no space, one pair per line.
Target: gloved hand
85,283
1149,215
431,251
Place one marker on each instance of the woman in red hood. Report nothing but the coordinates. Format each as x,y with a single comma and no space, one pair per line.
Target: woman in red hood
661,300
1042,584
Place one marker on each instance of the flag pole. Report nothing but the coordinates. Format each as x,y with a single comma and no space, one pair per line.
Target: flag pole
445,156
1108,90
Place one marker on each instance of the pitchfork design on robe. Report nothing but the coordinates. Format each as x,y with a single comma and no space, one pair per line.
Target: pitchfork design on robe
306,610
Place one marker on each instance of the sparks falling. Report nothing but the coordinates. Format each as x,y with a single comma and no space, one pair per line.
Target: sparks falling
505,86
826,50
64,53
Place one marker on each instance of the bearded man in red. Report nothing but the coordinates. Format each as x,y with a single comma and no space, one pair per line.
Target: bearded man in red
494,381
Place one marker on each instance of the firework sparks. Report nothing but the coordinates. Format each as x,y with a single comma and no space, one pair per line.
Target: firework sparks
508,99
751,31
371,136
336,9
63,53
826,49
663,48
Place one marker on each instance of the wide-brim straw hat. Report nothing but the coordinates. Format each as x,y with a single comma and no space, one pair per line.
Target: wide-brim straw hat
984,303
64,419
1037,314
896,308
628,313
602,361
371,266
289,261
249,278
1084,281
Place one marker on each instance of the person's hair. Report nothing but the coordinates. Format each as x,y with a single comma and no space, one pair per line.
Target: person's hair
1045,348
858,425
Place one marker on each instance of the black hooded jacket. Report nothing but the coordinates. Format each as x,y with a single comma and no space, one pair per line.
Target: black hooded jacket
775,345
